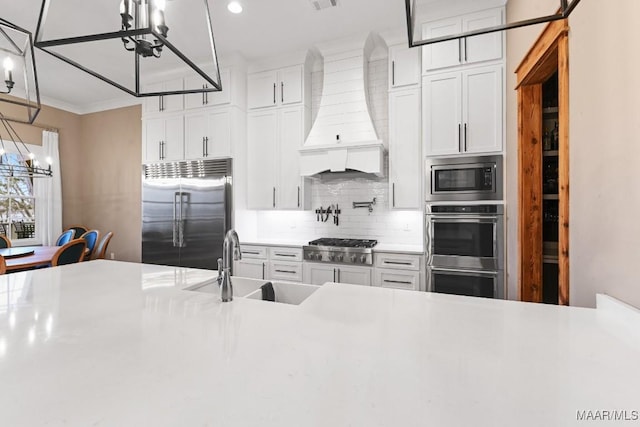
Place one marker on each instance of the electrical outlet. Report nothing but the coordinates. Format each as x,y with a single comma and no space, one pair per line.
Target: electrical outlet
113,256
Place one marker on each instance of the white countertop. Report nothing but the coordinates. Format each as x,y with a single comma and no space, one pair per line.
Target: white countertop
118,344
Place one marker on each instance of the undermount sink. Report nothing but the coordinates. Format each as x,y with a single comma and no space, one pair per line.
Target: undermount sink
287,293
242,286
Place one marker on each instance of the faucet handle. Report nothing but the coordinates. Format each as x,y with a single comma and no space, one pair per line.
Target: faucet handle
219,278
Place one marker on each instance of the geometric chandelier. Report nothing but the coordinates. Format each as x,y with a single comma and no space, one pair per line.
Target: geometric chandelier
24,164
420,12
19,93
129,43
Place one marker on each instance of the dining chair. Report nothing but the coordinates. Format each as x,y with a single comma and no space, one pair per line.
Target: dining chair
3,265
78,230
5,242
65,238
69,253
101,249
91,237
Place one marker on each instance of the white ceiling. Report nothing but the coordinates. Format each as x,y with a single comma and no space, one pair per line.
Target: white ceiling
266,28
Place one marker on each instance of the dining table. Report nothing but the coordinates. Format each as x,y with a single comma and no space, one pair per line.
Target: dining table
26,257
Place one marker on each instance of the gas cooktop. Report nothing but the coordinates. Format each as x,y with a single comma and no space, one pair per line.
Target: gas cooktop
345,251
344,243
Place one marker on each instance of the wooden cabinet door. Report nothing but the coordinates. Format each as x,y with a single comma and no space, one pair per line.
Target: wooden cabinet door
290,89
318,274
262,147
442,113
291,138
174,138
218,142
195,136
443,54
485,47
404,66
405,165
355,275
261,89
482,109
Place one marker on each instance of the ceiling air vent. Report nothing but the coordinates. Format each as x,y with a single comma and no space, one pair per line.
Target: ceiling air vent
323,4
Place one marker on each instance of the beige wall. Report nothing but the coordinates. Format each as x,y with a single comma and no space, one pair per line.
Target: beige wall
111,189
100,158
605,146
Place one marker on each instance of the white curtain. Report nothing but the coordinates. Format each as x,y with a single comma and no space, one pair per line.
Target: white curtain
48,193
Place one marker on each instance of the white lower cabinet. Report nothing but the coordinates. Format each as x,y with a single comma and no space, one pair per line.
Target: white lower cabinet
398,271
251,268
287,271
319,274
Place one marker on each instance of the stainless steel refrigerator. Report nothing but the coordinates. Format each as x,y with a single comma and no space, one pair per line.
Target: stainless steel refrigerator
186,212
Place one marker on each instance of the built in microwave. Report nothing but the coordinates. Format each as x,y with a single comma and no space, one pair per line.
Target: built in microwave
464,179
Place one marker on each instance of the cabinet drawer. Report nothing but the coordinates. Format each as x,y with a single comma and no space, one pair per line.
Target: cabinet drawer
282,270
398,261
256,252
285,254
253,269
409,280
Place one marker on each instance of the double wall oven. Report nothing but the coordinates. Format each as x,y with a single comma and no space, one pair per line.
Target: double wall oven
465,227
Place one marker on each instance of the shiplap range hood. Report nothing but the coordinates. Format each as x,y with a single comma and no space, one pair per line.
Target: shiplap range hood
343,137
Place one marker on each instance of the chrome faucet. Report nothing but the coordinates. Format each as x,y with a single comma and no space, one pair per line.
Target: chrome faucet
230,249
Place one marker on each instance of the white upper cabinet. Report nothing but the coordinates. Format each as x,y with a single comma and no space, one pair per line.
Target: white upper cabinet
163,139
208,99
463,111
404,66
469,50
164,103
208,134
274,138
275,87
262,137
405,165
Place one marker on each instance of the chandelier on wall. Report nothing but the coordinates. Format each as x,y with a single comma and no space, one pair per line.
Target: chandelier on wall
19,92
127,47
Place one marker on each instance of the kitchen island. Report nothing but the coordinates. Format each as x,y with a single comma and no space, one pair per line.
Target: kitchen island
120,344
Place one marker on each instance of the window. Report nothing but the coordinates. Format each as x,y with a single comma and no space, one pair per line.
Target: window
17,204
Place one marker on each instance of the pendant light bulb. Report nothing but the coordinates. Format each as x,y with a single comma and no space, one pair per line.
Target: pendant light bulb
8,64
48,160
32,156
234,7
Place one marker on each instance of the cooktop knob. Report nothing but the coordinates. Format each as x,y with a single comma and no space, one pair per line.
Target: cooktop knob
340,257
319,257
353,258
310,255
331,257
363,259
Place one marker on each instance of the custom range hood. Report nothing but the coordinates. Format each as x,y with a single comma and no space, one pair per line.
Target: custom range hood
343,137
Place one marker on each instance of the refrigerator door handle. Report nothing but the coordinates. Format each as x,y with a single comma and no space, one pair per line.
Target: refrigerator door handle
182,221
176,232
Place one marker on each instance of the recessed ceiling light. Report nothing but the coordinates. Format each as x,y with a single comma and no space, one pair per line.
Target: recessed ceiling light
234,7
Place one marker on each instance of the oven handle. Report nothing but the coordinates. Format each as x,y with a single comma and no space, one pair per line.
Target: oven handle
460,272
474,219
428,244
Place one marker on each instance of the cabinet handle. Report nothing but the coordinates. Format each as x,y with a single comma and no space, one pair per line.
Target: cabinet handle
338,274
286,271
206,95
274,197
334,274
288,255
251,252
393,73
159,103
204,150
159,150
459,51
459,137
282,92
263,271
203,101
398,281
465,137
393,194
206,145
465,49
162,102
298,196
398,263
274,93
